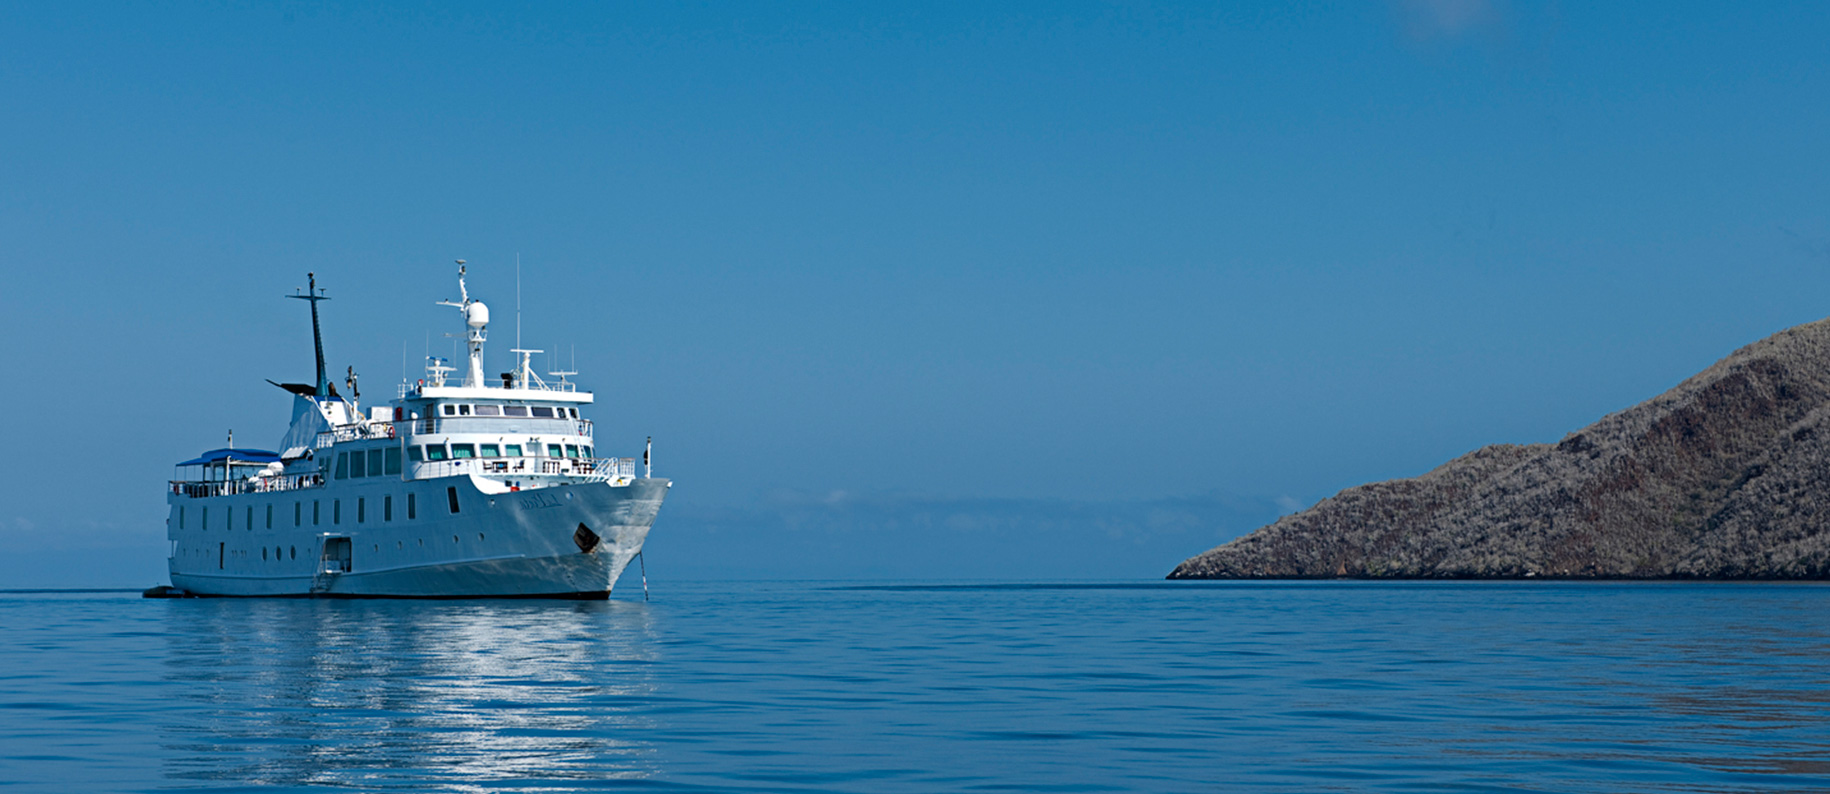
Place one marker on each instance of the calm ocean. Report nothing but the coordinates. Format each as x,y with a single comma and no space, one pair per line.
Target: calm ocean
1153,687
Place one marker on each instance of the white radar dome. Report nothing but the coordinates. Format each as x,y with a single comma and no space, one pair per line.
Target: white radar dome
477,315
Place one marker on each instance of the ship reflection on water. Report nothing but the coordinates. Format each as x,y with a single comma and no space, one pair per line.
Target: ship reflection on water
389,694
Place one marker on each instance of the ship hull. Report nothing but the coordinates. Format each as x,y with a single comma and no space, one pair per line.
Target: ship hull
461,537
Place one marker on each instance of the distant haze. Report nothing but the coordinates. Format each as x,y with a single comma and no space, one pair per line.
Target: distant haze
1008,280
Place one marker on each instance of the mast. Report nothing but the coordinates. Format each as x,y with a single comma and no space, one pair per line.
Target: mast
476,322
313,294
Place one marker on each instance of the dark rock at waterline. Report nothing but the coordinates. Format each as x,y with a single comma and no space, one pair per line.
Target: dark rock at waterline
1726,476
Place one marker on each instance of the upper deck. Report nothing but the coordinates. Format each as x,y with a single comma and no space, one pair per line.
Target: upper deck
525,432
537,392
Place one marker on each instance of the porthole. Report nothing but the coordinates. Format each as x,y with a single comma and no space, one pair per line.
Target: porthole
454,539
295,552
263,552
479,536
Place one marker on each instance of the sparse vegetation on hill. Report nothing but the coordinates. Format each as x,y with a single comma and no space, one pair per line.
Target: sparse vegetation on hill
1725,476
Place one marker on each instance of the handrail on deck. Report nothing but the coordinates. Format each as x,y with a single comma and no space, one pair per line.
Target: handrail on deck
198,489
370,431
598,469
525,466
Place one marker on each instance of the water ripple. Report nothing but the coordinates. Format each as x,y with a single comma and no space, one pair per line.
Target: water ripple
1034,687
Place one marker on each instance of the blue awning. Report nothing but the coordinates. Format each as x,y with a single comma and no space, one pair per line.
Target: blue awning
242,455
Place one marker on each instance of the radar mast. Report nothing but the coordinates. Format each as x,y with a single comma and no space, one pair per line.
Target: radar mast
476,324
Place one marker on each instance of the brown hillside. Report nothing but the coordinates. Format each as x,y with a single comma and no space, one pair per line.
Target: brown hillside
1725,476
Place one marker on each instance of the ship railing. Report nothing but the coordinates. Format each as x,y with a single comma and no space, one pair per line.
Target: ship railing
465,424
362,431
525,466
415,389
199,489
616,468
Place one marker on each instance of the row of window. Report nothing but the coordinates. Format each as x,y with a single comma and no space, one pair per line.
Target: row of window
533,411
292,552
370,463
317,513
462,451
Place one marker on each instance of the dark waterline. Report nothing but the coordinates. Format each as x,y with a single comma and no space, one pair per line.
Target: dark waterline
832,686
69,590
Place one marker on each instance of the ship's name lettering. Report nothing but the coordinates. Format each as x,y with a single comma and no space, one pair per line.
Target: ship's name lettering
537,501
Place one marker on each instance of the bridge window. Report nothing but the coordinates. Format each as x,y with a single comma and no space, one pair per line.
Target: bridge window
571,451
514,410
342,466
459,451
413,454
553,451
542,412
489,450
488,410
358,465
450,410
588,452
435,452
374,463
463,410
512,450
392,461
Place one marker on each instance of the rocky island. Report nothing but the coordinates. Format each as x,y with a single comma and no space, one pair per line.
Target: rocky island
1726,476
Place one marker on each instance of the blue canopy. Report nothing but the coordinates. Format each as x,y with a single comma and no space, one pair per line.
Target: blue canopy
245,455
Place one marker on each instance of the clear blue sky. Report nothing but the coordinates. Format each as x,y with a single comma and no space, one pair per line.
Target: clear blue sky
1001,263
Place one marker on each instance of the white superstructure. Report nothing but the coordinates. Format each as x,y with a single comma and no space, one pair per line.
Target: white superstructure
449,491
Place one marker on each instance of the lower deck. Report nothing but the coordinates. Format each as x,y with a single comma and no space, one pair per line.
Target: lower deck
441,537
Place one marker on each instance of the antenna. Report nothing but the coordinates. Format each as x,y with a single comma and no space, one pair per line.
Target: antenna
313,294
517,299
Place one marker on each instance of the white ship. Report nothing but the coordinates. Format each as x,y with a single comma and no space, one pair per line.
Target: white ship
450,491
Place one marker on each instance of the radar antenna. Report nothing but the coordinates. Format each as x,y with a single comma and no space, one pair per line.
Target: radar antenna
476,322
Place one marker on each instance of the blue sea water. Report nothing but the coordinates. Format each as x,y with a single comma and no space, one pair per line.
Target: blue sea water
1153,687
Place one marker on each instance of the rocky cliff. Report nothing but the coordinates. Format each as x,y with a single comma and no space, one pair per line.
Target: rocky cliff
1725,476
